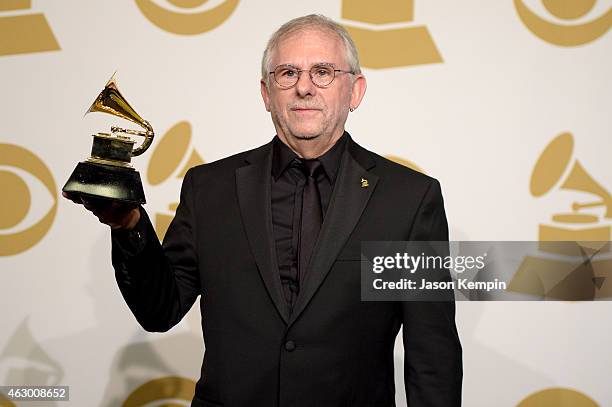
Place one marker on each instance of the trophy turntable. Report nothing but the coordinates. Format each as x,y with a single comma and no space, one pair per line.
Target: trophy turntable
107,173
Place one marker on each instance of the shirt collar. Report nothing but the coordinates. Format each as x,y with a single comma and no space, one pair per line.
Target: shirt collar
331,159
283,156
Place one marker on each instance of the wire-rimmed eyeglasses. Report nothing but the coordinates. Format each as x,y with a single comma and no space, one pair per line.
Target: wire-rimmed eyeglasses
322,75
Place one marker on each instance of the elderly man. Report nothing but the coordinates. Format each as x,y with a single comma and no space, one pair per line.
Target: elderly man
270,238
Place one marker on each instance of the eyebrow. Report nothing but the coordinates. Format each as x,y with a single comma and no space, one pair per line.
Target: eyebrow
330,64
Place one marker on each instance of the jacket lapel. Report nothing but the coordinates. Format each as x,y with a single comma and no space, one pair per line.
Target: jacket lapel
347,203
253,189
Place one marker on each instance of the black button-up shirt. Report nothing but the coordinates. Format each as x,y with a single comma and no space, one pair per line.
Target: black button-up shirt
287,187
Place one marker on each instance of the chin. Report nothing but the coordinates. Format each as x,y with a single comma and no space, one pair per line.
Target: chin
306,134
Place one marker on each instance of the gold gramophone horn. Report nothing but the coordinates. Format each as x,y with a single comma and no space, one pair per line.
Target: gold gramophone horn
111,101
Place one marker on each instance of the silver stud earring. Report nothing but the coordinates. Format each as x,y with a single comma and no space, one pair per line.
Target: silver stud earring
352,109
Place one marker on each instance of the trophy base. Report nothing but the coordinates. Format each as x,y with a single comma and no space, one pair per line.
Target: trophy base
106,182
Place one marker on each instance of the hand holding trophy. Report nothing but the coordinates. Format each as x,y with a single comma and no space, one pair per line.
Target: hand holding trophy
106,183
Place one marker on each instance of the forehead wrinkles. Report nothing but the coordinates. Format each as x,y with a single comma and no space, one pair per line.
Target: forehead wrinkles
330,44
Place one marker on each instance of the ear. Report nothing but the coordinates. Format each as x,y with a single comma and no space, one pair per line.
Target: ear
265,94
358,90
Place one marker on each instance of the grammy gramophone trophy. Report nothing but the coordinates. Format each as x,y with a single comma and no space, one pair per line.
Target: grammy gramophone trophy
107,173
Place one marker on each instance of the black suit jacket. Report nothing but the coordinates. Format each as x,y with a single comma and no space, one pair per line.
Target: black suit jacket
334,349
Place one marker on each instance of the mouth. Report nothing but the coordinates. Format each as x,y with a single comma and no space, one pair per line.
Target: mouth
304,110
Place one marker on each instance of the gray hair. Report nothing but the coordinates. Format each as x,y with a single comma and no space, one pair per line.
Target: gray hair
310,21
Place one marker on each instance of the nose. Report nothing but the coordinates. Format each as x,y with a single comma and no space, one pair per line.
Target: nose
304,85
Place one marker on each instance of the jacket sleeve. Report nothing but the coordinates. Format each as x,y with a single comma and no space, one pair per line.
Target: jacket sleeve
159,284
432,351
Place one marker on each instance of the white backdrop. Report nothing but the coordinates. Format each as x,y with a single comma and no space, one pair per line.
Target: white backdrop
478,121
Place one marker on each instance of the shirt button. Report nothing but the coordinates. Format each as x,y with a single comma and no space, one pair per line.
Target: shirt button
289,346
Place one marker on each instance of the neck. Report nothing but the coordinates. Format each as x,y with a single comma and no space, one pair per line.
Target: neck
310,148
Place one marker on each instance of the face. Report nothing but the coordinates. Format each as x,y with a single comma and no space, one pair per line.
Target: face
305,111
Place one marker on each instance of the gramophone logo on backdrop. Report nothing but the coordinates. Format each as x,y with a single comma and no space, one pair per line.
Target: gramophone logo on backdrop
567,34
574,233
165,391
383,46
556,397
20,170
4,402
24,32
171,151
24,361
405,163
556,167
186,20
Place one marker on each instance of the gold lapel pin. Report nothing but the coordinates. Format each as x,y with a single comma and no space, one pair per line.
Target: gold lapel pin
364,183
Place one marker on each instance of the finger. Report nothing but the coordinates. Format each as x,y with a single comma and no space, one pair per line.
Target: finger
96,205
88,205
72,197
96,202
